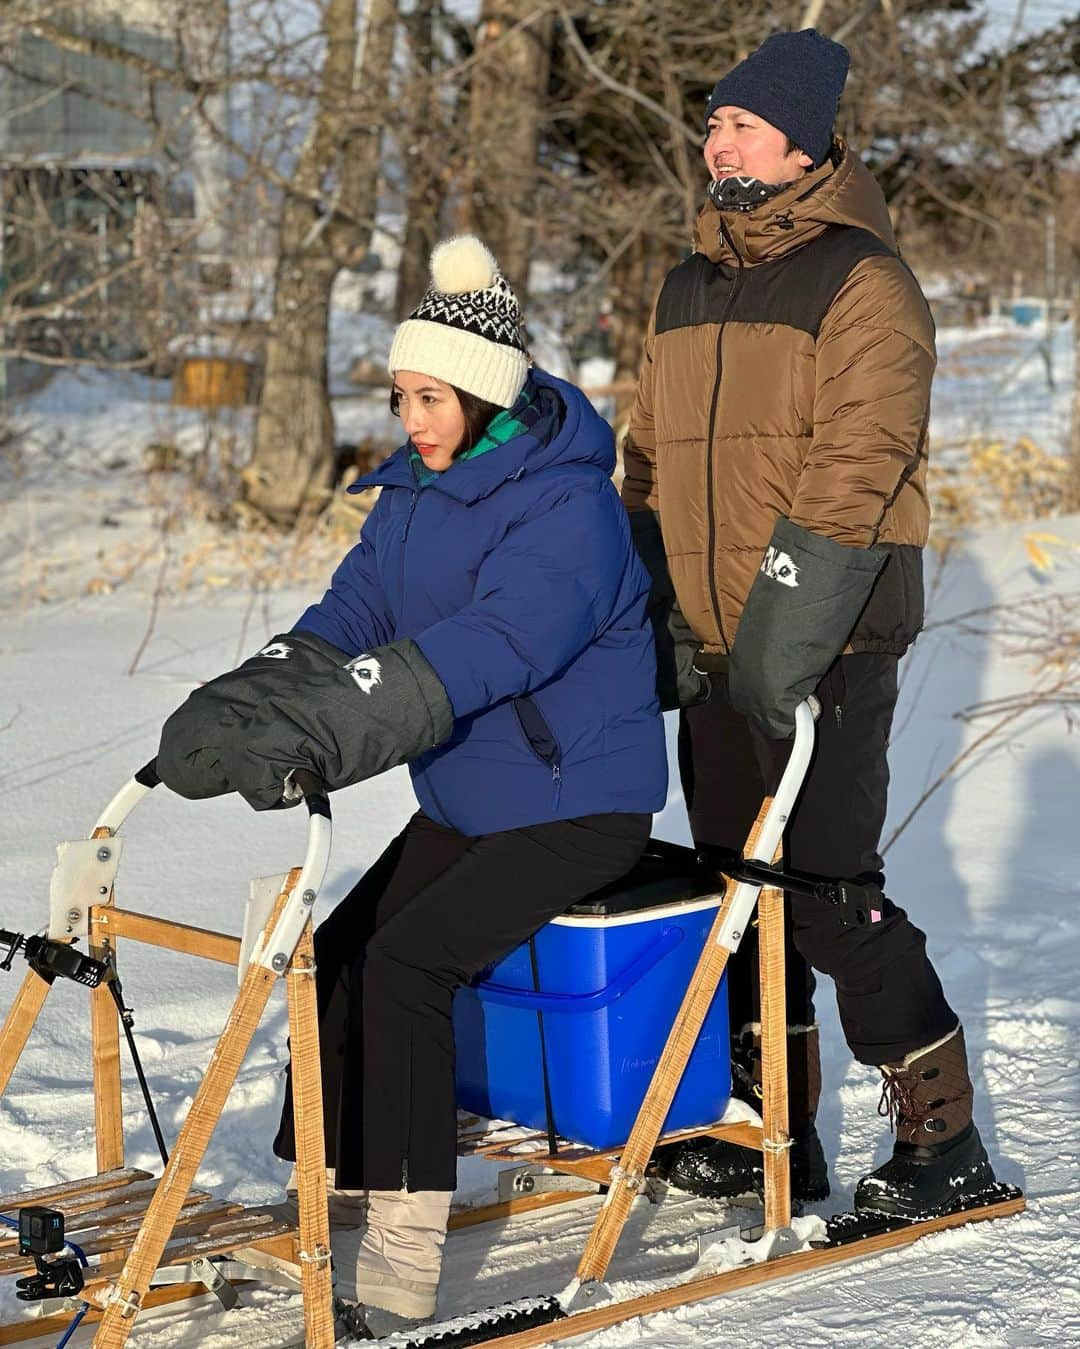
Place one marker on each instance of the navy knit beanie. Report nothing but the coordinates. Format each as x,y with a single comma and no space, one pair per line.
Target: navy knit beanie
794,81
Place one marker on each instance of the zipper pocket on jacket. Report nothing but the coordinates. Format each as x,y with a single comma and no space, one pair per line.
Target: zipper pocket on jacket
541,739
839,692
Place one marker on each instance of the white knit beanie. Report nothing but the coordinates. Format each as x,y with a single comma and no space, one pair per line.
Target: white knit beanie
466,328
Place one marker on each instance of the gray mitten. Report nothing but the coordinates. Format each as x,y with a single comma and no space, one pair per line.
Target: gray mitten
345,722
801,610
189,755
678,682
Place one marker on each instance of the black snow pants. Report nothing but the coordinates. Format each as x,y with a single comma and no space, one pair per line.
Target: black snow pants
889,997
433,911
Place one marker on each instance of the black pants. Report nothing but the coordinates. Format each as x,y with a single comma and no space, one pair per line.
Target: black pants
889,997
433,911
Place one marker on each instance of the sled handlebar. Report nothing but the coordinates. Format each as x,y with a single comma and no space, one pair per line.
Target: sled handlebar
300,783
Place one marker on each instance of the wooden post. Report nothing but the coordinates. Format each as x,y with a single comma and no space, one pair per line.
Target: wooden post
105,1043
310,1147
628,1177
774,1084
105,1046
19,1022
124,1298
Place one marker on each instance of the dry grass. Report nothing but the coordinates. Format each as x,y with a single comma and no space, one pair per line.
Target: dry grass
213,545
983,481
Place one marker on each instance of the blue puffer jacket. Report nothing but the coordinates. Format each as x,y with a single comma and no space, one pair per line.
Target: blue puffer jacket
516,575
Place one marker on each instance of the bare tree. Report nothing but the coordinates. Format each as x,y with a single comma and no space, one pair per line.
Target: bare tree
293,459
509,80
424,155
1072,482
586,120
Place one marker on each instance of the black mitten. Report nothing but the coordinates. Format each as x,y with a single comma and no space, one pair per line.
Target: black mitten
189,755
801,610
346,722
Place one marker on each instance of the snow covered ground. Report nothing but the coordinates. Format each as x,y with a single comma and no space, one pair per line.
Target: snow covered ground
987,866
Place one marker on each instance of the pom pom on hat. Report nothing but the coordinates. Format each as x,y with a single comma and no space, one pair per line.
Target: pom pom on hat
461,264
467,328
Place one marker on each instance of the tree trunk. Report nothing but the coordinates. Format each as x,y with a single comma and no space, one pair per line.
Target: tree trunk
426,187
206,40
509,84
1072,480
292,467
636,278
629,321
294,429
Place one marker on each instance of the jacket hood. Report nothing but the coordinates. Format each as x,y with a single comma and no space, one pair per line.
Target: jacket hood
845,193
569,431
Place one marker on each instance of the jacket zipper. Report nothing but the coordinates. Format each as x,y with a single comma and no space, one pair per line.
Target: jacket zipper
710,494
552,757
408,518
405,542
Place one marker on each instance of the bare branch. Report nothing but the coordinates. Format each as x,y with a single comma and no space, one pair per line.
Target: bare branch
624,91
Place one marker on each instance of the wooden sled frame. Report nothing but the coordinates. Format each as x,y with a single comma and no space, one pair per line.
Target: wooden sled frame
285,951
116,1301
587,1303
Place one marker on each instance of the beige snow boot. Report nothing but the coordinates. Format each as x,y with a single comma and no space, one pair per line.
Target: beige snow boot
394,1263
348,1208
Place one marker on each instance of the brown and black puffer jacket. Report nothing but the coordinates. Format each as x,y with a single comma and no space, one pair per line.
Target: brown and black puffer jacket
787,372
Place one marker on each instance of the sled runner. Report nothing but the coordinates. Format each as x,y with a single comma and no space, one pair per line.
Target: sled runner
129,1242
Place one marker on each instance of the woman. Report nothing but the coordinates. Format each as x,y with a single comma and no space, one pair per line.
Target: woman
488,629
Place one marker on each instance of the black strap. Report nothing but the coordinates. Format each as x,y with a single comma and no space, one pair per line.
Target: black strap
128,1021
549,1113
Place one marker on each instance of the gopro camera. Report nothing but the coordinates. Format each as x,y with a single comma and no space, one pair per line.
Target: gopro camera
41,1231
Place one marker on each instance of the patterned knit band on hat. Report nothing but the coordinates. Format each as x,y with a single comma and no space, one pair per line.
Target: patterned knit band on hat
794,81
466,329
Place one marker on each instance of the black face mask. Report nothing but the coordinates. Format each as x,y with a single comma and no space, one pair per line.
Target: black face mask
742,194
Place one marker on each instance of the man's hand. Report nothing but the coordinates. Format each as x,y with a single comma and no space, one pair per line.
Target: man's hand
678,682
801,610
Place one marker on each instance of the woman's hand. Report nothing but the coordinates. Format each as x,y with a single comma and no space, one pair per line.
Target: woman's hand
189,756
345,721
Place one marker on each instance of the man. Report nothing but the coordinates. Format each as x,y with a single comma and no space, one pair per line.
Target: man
776,479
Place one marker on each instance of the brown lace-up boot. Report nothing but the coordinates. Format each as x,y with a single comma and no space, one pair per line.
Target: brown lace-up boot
714,1169
938,1158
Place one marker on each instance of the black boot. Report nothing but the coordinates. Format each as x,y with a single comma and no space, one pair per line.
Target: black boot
714,1169
938,1158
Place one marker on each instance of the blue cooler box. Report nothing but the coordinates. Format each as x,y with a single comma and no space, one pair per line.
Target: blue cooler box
612,974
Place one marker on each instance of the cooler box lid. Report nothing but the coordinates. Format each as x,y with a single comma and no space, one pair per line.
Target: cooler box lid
666,874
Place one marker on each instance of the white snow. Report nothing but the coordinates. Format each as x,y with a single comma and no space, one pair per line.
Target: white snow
988,867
